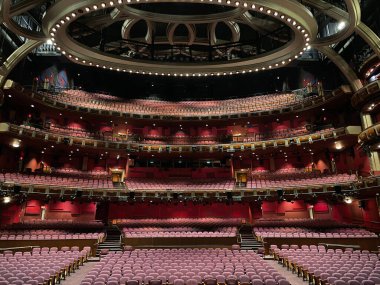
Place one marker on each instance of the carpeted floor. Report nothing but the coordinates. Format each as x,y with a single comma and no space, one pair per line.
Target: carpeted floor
79,275
292,278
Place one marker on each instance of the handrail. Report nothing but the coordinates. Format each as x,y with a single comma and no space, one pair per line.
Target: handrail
20,247
89,140
56,187
339,245
238,239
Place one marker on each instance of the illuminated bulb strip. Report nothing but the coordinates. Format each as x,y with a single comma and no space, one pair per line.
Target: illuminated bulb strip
72,15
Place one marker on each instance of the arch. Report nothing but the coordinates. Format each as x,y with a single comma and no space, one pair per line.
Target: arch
173,26
128,25
15,58
14,27
343,67
352,18
370,37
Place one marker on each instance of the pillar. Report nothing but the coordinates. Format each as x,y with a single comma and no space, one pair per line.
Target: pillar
374,157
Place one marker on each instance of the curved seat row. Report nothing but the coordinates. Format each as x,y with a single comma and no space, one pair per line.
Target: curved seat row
184,108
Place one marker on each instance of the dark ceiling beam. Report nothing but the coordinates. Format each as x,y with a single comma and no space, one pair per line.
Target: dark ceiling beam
24,6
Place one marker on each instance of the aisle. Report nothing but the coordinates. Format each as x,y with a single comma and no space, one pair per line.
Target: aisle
292,278
79,275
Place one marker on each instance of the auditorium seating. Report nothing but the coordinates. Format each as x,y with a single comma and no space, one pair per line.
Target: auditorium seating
51,180
301,222
171,140
179,184
53,224
179,222
148,232
335,267
47,235
80,173
41,266
303,180
183,108
184,266
298,232
73,132
269,181
279,134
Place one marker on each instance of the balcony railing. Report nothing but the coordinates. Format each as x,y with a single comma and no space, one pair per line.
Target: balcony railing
44,135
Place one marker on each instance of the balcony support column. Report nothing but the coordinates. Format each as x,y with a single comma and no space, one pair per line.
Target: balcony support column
373,156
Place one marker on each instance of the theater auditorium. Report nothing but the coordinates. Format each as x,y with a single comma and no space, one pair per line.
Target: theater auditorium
189,142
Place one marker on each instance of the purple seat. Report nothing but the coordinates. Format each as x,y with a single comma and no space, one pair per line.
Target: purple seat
178,282
339,282
132,282
210,281
368,282
270,282
283,282
155,282
258,282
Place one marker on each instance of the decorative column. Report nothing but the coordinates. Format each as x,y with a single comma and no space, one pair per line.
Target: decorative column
373,156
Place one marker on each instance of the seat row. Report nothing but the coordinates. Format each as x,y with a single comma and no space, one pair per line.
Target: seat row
52,180
149,232
53,225
185,108
332,267
298,232
97,236
44,267
179,222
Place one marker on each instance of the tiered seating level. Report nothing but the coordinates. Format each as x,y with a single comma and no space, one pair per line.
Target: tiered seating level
335,267
179,184
298,232
267,181
56,181
184,266
57,225
177,139
54,233
310,232
178,222
46,266
185,108
271,180
152,232
174,232
299,180
205,145
47,235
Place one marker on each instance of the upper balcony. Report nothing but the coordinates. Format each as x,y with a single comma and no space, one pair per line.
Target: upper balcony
106,105
128,144
366,95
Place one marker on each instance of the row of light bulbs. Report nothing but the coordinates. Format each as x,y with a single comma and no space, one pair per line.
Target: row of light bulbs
103,5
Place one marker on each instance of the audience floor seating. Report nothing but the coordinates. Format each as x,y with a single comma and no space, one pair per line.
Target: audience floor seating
184,266
334,267
41,266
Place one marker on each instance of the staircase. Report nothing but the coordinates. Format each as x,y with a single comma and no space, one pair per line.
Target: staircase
248,240
112,241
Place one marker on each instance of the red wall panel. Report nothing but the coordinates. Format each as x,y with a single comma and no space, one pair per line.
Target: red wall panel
165,211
